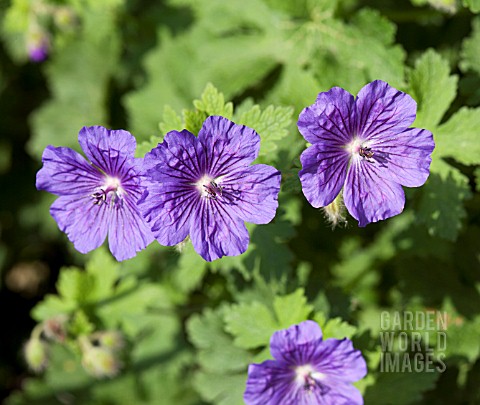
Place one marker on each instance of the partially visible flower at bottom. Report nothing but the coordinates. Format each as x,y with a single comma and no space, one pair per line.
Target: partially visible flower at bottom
307,370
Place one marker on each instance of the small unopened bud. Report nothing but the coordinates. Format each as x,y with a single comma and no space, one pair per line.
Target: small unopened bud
101,362
36,354
181,246
98,360
38,45
112,340
55,328
64,18
335,212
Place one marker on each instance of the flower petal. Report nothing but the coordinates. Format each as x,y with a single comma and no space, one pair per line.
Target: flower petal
215,232
270,383
383,111
296,344
85,223
370,197
342,394
405,157
331,118
252,194
128,232
168,209
227,146
178,158
323,173
338,361
107,149
66,172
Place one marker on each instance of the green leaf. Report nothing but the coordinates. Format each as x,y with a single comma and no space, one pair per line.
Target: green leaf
190,270
432,87
216,351
80,324
212,102
271,124
458,138
335,328
400,388
221,389
194,120
75,285
130,306
291,309
78,77
146,146
103,269
252,324
470,53
441,204
473,5
171,121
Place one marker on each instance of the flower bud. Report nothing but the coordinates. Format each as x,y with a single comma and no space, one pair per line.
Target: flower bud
111,340
55,328
335,212
101,362
64,18
36,354
38,45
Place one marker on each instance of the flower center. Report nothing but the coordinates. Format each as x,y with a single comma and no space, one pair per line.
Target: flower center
209,187
360,148
307,377
110,192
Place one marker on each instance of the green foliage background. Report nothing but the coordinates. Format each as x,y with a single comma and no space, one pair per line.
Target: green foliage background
192,328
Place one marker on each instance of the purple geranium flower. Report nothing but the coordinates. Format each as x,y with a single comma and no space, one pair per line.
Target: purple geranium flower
38,46
366,147
205,187
307,370
100,196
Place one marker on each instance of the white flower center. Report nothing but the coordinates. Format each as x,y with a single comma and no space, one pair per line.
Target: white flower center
307,377
209,187
359,148
110,192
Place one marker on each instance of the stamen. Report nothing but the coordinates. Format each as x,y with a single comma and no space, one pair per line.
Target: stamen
308,377
365,152
209,188
111,188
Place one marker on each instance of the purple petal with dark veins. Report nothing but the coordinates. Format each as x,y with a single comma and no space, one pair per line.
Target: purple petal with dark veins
85,223
178,158
270,383
405,157
227,146
369,197
169,209
107,149
383,111
128,232
66,172
323,174
252,194
339,361
330,119
296,344
216,231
